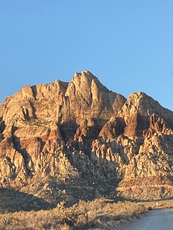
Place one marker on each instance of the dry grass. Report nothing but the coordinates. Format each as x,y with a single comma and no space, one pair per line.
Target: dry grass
100,213
160,204
84,215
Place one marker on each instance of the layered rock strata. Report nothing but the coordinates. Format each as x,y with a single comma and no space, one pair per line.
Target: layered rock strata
79,139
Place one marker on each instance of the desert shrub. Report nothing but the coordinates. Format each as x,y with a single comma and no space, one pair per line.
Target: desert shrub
83,215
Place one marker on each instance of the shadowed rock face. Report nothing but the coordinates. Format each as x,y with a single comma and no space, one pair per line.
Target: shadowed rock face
79,139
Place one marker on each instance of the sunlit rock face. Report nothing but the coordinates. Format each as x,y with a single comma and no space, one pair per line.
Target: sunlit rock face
70,140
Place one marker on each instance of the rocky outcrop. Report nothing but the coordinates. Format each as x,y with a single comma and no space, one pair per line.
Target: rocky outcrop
80,140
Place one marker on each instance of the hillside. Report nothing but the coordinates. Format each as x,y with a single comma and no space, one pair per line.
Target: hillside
79,140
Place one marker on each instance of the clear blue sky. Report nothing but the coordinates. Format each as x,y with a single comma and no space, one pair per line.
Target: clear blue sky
127,44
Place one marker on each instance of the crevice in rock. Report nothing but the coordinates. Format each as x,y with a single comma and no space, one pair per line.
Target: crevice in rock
26,157
34,91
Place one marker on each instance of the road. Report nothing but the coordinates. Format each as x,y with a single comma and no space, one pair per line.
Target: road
154,220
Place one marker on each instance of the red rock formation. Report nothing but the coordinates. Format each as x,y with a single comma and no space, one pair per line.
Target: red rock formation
79,133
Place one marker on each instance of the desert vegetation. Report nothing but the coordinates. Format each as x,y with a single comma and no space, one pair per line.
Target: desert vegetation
101,213
82,215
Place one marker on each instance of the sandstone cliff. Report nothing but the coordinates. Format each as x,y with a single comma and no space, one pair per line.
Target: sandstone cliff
80,140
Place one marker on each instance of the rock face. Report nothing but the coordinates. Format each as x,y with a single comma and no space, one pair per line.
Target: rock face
80,140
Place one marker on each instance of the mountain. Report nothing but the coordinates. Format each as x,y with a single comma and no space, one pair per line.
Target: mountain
79,140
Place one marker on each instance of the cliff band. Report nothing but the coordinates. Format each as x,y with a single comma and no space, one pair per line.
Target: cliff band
79,140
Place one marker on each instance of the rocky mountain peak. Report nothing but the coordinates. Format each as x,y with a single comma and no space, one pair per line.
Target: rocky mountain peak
141,103
144,104
87,85
84,74
78,139
87,97
88,79
141,112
